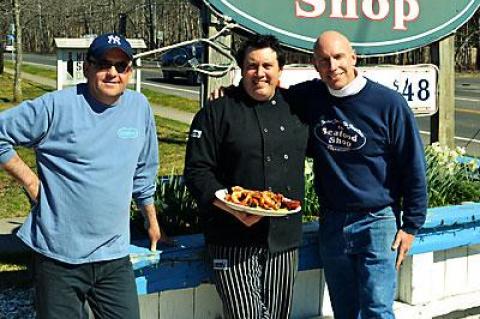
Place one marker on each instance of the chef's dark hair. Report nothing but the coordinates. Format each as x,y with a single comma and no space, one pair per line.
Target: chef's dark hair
260,41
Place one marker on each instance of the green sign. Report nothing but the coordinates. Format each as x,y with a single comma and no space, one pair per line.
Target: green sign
375,27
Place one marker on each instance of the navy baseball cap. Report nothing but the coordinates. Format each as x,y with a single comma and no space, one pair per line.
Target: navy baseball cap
108,41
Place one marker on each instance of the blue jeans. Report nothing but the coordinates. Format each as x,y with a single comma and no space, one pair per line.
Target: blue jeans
359,263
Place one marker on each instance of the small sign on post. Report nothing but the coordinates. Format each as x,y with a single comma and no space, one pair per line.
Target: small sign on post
416,83
71,53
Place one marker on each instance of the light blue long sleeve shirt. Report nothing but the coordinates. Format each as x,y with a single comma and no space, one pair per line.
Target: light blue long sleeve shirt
91,160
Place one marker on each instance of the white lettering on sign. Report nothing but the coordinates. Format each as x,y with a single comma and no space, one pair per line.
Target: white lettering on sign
401,18
376,10
382,12
351,12
318,7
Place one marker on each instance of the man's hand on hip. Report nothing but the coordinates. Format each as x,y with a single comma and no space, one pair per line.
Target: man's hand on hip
17,168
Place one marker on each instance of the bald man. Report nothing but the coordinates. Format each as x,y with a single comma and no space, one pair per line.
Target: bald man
370,179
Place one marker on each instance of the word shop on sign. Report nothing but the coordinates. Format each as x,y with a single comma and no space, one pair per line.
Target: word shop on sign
376,10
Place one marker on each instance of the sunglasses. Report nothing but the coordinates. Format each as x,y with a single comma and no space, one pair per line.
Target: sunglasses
121,67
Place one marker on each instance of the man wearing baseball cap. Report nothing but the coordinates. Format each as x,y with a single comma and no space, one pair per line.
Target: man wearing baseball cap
96,148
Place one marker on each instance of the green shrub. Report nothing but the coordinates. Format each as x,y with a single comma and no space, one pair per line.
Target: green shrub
176,209
311,207
449,181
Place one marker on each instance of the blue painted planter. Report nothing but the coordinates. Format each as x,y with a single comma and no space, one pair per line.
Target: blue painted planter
449,227
184,266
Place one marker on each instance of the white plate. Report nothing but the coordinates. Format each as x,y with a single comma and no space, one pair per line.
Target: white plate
220,194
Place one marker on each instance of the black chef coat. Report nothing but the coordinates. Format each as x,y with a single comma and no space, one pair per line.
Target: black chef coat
236,140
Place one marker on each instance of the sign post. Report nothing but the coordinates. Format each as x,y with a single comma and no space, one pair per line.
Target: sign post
443,123
210,24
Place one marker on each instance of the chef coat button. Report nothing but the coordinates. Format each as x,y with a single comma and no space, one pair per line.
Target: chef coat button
269,188
282,128
274,102
289,188
265,130
268,159
285,156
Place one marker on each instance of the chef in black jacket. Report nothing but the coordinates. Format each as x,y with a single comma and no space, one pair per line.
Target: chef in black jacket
251,138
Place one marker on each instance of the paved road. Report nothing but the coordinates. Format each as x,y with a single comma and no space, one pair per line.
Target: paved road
467,114
153,79
467,101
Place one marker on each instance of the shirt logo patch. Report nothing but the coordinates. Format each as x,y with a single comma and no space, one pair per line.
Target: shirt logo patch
196,133
127,133
339,136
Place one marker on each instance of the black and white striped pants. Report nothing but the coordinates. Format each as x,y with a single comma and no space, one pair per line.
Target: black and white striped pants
254,283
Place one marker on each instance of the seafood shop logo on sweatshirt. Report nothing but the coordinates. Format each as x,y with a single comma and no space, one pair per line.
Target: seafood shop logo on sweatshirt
339,136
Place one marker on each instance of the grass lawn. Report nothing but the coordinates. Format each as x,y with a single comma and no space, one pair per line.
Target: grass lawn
13,203
29,90
172,101
50,73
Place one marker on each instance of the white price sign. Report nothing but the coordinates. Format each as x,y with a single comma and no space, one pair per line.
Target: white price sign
416,83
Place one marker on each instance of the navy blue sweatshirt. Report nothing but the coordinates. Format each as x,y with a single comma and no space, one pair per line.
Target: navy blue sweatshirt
367,151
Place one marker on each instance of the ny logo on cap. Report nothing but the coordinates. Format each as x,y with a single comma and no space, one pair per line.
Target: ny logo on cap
115,39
